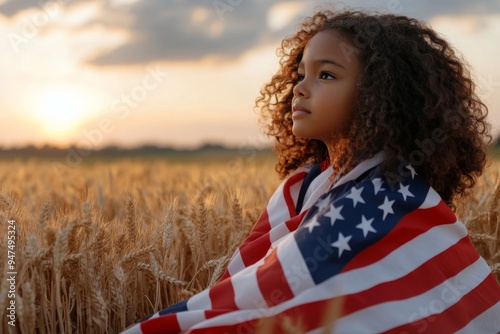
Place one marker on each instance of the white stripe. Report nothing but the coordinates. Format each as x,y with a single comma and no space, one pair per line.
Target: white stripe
200,301
188,319
486,323
294,192
433,301
278,232
318,187
277,209
136,329
360,169
236,264
432,199
296,272
401,261
397,264
246,289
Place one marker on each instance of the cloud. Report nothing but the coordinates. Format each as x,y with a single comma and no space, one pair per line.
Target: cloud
11,8
176,30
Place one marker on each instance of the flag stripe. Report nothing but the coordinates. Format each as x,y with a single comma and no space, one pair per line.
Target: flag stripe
408,228
369,319
276,289
317,188
291,192
188,319
156,325
278,232
236,264
456,316
222,295
200,301
294,222
297,275
258,250
360,279
284,199
487,322
398,288
246,287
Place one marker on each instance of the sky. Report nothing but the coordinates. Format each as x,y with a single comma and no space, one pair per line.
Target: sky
180,73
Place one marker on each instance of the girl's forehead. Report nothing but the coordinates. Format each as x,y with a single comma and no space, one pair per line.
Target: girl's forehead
330,45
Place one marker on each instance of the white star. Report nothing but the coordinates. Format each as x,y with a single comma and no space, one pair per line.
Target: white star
323,203
355,195
412,170
366,226
377,184
387,207
342,243
404,191
334,214
313,223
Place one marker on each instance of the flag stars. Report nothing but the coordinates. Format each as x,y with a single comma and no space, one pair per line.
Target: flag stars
366,226
404,190
342,244
387,207
313,223
355,195
377,185
323,203
412,171
334,214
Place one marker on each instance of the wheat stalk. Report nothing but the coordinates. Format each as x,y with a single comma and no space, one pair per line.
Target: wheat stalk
44,213
131,225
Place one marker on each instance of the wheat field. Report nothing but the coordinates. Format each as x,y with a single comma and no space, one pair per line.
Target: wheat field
101,245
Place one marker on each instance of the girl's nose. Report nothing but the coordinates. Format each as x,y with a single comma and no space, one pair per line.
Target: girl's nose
300,89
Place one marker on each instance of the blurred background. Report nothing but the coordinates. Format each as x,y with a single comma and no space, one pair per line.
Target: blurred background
179,73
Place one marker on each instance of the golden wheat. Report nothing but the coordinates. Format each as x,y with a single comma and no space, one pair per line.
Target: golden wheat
100,246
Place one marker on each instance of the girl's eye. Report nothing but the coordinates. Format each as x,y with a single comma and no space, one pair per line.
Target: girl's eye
300,77
326,76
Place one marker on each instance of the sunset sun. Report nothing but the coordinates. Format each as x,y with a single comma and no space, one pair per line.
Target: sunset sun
61,111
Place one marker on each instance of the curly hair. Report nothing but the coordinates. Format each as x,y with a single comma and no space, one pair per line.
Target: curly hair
415,101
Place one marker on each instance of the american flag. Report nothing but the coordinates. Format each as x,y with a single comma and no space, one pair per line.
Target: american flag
394,256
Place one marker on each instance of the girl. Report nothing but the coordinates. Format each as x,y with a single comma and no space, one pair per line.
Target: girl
378,131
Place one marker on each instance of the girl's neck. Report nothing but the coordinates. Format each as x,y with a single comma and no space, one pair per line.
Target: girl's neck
338,155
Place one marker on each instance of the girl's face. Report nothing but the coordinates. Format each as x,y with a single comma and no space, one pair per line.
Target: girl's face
323,97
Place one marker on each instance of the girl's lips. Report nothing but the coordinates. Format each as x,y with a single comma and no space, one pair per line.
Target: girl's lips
299,110
298,113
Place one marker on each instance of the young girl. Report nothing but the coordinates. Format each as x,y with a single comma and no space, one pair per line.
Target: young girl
378,131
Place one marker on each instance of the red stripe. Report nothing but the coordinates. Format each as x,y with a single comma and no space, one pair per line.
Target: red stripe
309,315
456,258
409,227
272,281
260,229
457,316
244,327
256,251
287,193
294,222
222,295
262,226
161,324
